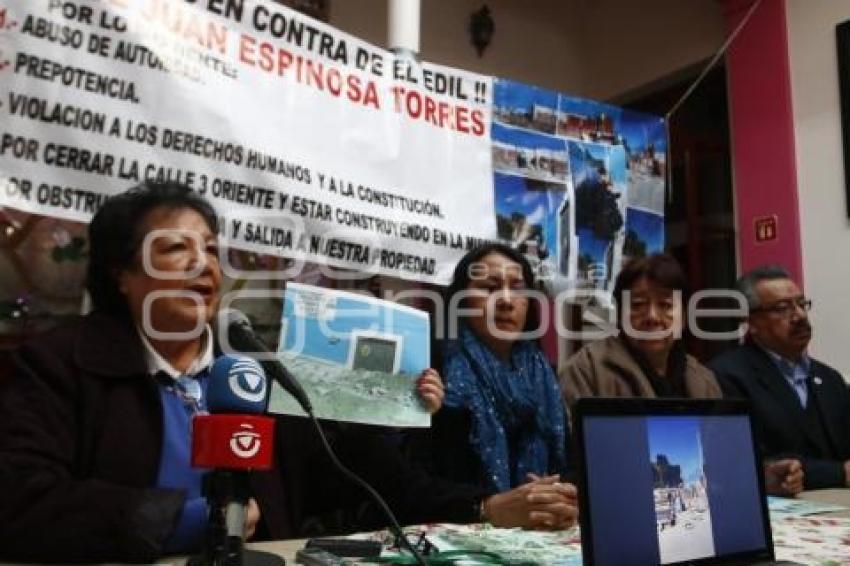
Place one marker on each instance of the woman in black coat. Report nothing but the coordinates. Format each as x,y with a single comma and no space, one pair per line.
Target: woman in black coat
94,420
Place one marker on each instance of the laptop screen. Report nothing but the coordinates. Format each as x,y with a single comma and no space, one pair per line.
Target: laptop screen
670,483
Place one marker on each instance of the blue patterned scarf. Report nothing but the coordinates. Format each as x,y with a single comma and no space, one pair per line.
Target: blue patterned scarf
517,411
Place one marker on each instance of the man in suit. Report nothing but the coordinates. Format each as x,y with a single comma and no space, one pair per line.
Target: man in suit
801,406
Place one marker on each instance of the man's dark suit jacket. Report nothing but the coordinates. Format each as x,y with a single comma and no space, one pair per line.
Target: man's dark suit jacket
782,425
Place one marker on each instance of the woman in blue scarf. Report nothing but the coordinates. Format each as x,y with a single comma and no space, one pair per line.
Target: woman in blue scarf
503,420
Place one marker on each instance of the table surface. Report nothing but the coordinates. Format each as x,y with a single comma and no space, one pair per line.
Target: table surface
838,496
284,548
288,548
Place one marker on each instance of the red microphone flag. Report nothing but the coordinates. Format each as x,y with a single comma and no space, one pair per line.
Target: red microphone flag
232,442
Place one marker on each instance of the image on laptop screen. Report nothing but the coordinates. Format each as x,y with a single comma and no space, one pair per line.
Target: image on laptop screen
669,489
679,489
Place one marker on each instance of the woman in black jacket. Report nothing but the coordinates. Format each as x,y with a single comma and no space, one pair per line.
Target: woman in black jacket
94,433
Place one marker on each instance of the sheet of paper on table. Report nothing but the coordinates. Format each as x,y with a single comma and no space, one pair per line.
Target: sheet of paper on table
812,540
798,534
560,548
799,507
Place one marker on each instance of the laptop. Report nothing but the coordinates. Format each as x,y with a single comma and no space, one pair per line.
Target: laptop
666,481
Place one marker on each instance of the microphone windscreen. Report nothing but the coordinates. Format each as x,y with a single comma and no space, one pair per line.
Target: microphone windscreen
240,336
237,384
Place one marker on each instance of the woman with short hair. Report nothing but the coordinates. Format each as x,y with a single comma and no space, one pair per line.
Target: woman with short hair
95,433
95,419
647,358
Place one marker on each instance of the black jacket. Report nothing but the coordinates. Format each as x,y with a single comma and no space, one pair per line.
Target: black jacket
783,427
80,444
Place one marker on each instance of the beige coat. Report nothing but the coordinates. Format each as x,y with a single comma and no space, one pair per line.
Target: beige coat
607,369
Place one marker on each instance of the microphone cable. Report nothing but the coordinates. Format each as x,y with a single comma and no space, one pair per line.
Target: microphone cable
394,526
239,331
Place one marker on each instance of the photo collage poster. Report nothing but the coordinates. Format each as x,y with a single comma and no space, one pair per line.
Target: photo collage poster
578,184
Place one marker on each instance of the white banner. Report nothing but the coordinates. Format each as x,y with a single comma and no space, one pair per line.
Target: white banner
310,143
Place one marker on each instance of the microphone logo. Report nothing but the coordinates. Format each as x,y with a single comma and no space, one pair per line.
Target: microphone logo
245,443
248,381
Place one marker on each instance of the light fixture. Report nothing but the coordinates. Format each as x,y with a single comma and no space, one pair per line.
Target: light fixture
481,28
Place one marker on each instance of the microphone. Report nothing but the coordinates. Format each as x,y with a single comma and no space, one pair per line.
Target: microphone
241,337
234,439
238,384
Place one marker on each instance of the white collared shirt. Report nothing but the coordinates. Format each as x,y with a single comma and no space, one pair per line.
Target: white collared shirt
157,363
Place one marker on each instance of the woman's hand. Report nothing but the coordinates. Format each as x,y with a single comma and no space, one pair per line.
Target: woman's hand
545,503
429,386
252,518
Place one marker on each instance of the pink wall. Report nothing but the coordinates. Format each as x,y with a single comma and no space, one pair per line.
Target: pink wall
762,130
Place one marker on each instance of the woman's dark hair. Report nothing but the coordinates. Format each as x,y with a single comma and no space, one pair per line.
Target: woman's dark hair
661,269
461,278
117,230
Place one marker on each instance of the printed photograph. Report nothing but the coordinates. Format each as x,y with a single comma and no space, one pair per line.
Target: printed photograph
644,233
588,120
532,155
524,106
599,181
682,514
567,241
529,217
646,153
356,356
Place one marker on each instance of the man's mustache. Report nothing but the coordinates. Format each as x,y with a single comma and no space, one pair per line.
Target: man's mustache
802,326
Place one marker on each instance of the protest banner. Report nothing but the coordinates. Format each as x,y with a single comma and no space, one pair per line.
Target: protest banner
315,145
309,142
